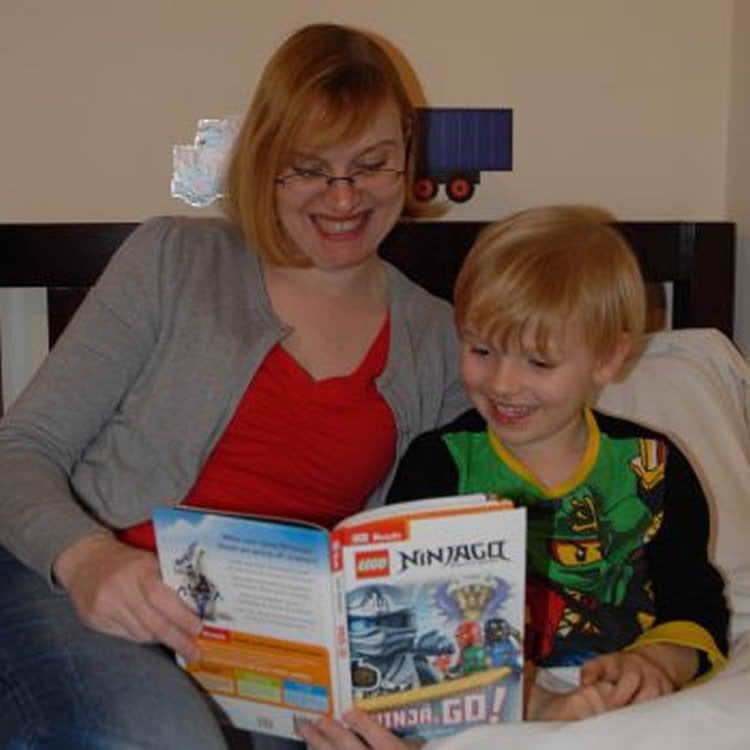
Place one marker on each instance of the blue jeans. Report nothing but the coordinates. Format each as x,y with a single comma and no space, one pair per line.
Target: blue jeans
64,686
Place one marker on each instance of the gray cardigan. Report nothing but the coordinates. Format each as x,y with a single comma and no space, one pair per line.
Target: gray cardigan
130,402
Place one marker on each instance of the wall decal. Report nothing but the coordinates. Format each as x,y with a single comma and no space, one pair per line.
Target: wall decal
197,170
457,145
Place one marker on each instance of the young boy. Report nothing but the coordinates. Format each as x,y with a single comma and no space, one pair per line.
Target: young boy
549,304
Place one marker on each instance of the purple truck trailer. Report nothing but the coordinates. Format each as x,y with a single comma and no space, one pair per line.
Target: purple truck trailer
456,145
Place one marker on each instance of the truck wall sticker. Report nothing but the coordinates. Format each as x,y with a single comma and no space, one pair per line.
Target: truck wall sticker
457,145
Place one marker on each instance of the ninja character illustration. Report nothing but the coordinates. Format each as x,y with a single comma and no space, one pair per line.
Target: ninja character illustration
502,644
197,588
472,655
388,655
587,565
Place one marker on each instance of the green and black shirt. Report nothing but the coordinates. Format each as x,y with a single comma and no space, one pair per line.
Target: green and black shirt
616,556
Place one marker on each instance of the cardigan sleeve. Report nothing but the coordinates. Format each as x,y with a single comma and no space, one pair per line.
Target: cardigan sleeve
74,392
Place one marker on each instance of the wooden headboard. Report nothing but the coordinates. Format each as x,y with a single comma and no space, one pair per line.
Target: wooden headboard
697,257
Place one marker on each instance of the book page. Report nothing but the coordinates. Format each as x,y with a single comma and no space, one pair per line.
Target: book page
412,507
263,590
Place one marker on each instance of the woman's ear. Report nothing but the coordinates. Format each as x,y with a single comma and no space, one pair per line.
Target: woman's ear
610,367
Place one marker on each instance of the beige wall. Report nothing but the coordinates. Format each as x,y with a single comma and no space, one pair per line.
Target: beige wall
623,102
620,102
738,159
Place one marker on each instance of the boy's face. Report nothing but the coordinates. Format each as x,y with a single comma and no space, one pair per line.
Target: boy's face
533,402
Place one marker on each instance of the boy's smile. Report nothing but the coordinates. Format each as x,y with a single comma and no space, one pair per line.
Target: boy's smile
511,414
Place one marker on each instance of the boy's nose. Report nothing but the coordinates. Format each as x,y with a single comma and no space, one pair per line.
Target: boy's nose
504,380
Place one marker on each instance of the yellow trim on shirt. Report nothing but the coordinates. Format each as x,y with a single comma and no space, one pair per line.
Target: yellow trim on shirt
584,469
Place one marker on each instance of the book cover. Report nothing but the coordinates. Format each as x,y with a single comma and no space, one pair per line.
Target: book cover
435,608
412,611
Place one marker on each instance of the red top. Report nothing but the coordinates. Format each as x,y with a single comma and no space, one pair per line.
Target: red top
298,447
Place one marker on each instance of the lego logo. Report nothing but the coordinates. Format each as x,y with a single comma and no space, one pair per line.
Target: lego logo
372,564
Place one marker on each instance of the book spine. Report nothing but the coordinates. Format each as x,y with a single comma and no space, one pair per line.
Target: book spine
343,676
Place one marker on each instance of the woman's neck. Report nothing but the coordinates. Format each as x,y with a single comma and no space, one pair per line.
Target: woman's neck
365,281
333,316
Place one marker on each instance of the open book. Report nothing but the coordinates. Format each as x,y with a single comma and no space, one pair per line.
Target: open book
412,611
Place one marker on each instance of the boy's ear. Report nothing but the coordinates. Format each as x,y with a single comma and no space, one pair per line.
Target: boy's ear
611,366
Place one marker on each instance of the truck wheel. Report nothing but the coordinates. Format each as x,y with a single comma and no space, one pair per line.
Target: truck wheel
425,189
460,189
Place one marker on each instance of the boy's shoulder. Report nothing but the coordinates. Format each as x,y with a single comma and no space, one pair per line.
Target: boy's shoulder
436,439
613,426
469,421
619,427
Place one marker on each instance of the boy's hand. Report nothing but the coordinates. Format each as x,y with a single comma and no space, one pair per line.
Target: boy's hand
361,732
635,675
591,700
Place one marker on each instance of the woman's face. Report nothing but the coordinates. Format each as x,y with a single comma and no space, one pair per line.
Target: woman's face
340,224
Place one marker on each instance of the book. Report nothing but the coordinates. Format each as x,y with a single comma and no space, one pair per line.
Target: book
414,612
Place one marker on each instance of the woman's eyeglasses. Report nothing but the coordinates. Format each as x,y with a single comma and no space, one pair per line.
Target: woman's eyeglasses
312,181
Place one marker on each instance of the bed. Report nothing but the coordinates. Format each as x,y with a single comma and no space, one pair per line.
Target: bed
689,381
695,258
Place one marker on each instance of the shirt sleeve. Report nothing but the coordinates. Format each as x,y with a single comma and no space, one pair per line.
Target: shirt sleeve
688,589
426,470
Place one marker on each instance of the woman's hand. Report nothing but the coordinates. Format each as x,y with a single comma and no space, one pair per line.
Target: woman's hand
117,589
361,732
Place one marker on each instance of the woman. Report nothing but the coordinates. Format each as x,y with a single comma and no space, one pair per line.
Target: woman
271,362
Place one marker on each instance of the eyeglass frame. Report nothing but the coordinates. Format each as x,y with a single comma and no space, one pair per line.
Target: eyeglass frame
350,179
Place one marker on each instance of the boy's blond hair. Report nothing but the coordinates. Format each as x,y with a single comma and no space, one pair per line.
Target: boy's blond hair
543,266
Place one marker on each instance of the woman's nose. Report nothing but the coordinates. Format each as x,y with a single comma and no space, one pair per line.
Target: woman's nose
342,195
